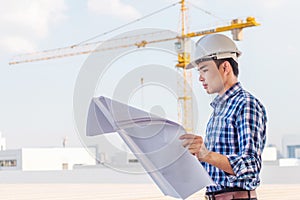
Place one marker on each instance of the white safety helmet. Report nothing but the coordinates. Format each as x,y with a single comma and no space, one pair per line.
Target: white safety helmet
214,46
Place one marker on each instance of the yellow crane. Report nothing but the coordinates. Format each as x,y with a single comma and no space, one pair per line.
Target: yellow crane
183,50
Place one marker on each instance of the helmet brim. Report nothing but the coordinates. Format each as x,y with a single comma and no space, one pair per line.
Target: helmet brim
221,55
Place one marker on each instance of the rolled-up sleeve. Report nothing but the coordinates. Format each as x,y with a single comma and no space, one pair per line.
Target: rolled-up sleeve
250,126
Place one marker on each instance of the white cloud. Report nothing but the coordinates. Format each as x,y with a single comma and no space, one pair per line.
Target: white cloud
273,4
113,7
28,21
17,44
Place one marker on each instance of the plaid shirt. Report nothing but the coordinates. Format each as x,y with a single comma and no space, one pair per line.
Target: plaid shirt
237,129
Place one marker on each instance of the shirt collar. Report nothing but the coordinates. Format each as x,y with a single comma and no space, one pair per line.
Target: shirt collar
229,93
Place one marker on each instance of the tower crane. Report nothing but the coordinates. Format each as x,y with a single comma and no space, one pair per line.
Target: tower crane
183,46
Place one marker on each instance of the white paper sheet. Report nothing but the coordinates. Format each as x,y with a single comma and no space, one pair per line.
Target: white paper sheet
154,141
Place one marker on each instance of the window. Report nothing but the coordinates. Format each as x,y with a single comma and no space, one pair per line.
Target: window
133,160
8,163
65,166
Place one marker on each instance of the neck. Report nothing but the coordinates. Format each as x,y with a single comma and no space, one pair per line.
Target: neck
228,84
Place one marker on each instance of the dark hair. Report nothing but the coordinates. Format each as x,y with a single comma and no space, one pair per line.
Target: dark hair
233,63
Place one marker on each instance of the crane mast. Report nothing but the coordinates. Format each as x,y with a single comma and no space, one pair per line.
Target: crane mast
185,88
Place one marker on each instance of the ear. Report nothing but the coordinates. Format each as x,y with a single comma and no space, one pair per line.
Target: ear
226,67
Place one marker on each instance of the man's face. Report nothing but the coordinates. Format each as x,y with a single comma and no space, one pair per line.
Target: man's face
210,77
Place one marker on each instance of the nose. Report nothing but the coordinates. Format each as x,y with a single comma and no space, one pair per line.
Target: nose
201,78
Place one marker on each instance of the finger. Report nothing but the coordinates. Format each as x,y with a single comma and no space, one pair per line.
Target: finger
195,138
186,143
187,136
195,146
194,151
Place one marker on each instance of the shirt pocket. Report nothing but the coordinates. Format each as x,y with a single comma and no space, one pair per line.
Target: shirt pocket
229,136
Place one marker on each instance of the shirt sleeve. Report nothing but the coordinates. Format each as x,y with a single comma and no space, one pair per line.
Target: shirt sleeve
250,126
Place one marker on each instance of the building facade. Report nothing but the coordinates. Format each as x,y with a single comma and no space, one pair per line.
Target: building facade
39,159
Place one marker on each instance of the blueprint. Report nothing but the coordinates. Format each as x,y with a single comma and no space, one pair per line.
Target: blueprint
154,141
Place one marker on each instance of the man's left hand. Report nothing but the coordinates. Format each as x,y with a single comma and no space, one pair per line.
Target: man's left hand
195,145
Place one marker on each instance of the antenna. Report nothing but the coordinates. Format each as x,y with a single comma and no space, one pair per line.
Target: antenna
64,141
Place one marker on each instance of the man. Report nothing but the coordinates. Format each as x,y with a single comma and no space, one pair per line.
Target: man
236,131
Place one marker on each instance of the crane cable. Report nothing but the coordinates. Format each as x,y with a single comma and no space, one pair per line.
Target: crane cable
206,12
127,24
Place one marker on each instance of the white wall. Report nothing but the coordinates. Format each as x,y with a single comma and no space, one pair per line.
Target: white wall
2,143
269,154
53,158
285,162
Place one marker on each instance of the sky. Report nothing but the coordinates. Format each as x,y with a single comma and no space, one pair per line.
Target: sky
36,105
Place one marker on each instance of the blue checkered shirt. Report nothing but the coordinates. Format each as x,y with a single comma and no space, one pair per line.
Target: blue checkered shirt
237,129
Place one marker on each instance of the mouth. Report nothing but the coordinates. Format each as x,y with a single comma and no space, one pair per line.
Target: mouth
205,86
